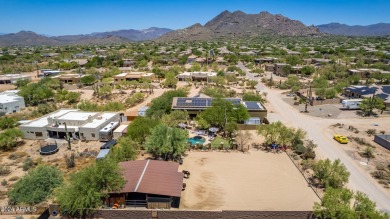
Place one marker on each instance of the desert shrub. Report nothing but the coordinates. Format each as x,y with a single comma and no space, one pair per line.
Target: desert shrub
70,160
14,178
4,182
27,164
17,155
379,174
371,132
4,170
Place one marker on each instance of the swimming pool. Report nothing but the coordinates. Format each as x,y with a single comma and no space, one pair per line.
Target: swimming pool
196,140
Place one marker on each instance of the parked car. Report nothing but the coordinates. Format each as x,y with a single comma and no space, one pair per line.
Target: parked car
291,95
341,139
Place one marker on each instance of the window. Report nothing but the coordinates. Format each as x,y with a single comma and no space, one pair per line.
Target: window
93,135
38,134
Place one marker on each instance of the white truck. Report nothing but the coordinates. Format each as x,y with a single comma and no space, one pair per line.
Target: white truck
352,103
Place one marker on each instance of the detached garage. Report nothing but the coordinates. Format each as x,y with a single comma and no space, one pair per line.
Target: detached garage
149,183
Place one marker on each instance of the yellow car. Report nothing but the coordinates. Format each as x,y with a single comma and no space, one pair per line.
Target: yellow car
341,139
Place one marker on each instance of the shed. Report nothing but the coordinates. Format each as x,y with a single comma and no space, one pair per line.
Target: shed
383,140
149,183
120,131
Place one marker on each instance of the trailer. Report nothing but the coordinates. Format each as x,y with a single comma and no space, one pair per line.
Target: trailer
352,103
106,133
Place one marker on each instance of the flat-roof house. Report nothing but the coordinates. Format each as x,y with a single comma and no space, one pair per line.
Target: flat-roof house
196,76
80,125
149,183
13,78
69,78
133,76
10,102
268,60
195,105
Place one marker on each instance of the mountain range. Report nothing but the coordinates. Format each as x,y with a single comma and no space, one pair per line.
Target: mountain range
226,25
380,29
28,38
239,24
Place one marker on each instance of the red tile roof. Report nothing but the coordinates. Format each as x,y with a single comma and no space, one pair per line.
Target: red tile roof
152,177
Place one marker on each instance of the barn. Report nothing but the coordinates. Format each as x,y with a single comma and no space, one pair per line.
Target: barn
149,183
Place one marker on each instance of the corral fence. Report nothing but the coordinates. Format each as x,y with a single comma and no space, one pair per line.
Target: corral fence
319,192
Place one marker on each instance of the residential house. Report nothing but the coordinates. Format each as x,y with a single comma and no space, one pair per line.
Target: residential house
13,78
10,102
131,76
79,124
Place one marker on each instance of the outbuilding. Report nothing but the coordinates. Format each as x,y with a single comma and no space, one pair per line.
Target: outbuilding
149,183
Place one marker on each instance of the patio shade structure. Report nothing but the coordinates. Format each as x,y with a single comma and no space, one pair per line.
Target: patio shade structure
213,129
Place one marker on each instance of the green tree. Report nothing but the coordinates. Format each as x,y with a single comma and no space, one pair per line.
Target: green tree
195,67
331,174
125,150
252,84
167,142
36,186
307,70
163,104
335,204
140,128
22,83
85,190
222,112
293,60
368,104
270,132
10,138
7,123
88,80
175,117
343,203
251,96
170,79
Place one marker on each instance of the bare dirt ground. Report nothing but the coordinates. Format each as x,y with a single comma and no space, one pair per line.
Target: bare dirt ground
244,181
85,154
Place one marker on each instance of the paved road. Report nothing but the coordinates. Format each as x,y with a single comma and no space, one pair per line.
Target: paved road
317,130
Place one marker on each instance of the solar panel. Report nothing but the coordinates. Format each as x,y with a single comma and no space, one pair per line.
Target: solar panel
252,105
386,89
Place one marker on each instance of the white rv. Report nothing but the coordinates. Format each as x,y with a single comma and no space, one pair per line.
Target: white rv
352,103
106,133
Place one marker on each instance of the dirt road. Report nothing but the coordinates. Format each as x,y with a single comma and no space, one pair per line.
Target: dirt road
317,130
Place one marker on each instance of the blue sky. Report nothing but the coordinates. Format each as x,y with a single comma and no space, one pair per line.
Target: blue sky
60,17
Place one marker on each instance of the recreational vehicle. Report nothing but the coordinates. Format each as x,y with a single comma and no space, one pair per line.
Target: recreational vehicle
351,103
106,133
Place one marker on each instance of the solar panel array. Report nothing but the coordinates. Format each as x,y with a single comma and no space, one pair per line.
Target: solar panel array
202,102
252,105
197,102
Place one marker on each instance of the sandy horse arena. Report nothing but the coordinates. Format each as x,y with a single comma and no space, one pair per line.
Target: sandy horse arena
244,181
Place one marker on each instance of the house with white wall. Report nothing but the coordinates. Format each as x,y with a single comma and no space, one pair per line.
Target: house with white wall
79,125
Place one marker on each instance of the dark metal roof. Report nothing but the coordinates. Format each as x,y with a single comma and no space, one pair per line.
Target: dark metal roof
152,177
